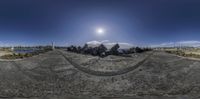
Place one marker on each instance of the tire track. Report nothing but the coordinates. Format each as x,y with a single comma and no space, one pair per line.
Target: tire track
101,73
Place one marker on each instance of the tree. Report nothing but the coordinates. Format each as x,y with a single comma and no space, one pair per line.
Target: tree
94,51
138,50
85,49
72,48
78,49
114,49
75,49
132,50
101,50
69,48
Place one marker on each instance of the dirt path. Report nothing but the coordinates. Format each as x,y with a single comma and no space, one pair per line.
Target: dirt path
101,73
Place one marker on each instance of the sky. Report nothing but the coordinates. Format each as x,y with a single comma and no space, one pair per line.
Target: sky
141,22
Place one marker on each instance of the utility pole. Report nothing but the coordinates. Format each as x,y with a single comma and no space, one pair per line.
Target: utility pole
53,47
12,48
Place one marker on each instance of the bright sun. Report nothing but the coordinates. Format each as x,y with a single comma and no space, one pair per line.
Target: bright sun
100,31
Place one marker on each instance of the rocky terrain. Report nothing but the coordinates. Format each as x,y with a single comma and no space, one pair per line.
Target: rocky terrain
59,75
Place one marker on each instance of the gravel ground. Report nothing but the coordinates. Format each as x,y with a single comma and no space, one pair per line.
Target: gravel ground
109,63
51,76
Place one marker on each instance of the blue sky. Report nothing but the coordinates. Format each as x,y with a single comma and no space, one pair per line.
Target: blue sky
144,22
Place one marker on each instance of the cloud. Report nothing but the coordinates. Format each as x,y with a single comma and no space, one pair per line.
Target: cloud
180,43
189,43
94,42
109,44
105,41
121,44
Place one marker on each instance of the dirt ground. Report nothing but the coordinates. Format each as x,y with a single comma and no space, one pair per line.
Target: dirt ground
4,53
52,76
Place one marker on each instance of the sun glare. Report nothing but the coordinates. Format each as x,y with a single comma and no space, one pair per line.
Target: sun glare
100,31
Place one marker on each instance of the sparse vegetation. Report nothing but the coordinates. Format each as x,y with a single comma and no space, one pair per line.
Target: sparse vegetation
182,53
16,56
25,55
